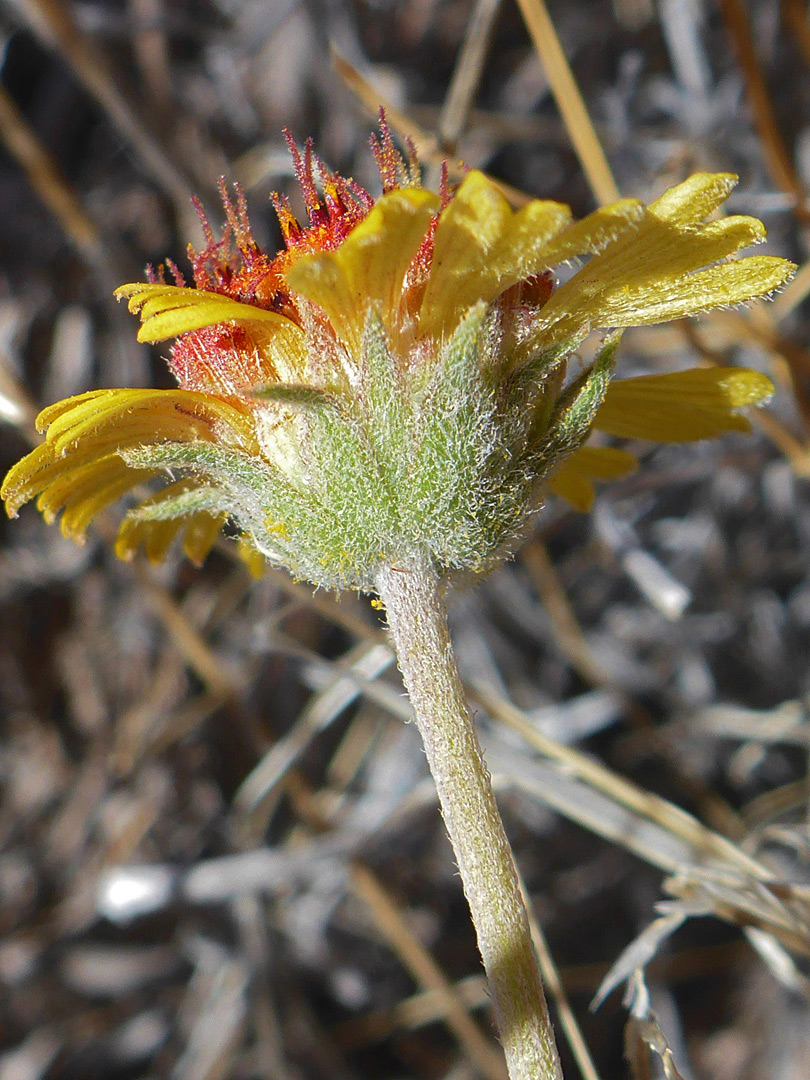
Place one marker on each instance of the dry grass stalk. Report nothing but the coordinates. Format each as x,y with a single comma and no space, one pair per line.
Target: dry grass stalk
569,101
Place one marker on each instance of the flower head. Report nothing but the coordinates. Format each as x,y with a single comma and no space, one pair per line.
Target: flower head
396,382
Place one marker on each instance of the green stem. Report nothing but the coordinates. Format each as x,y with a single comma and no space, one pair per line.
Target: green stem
418,624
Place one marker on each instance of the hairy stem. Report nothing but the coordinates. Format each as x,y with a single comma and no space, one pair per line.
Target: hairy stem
418,624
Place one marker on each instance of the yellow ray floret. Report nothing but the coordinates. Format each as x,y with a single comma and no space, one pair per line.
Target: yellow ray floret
123,417
573,480
167,311
481,247
80,488
199,529
666,266
691,201
682,406
650,264
78,469
420,264
369,267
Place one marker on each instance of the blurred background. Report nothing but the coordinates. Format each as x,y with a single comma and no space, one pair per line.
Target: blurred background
220,852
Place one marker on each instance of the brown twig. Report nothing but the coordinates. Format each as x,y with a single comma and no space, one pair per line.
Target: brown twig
365,886
794,12
47,181
52,21
467,75
774,150
569,101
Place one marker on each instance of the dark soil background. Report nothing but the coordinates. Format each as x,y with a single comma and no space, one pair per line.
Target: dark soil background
220,853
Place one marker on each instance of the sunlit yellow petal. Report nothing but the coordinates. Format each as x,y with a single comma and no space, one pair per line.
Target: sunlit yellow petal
693,200
84,503
80,488
686,252
730,283
323,280
120,418
65,484
377,253
24,479
573,480
469,227
482,248
518,253
78,469
167,311
658,252
655,273
370,265
681,406
56,481
592,233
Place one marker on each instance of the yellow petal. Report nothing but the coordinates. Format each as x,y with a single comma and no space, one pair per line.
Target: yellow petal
377,253
200,535
200,529
154,537
481,247
167,311
731,283
282,350
369,267
660,253
468,228
323,280
84,501
514,257
58,481
78,470
81,489
22,481
253,559
59,487
573,480
592,233
656,271
681,406
574,487
690,202
123,417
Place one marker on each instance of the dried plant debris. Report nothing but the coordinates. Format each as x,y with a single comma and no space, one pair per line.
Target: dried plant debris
220,850
643,1037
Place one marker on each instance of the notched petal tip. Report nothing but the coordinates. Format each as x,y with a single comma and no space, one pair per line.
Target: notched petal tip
82,466
79,486
691,201
18,485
